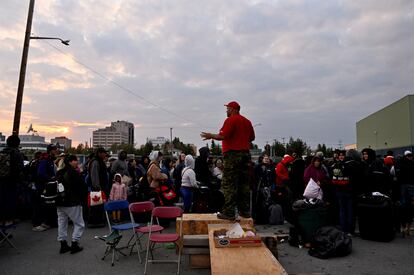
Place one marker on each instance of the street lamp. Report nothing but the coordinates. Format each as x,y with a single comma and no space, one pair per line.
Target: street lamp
22,76
65,42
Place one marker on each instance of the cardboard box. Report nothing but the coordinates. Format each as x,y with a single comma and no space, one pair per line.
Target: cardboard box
235,242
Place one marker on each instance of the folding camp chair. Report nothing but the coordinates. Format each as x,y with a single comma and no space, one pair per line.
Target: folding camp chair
111,242
167,212
142,208
120,206
5,234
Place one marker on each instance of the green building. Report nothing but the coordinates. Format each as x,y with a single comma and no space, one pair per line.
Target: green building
391,128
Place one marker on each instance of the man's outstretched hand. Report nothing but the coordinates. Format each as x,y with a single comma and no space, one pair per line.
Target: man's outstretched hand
205,136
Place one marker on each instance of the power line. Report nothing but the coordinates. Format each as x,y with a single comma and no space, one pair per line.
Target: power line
122,87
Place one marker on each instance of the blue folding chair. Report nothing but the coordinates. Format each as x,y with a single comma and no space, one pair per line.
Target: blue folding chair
122,205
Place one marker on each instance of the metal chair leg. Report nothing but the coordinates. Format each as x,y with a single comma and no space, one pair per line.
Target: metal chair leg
113,256
146,258
179,257
105,254
152,250
138,248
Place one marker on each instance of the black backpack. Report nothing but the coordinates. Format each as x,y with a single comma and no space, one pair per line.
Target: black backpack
329,242
276,214
54,192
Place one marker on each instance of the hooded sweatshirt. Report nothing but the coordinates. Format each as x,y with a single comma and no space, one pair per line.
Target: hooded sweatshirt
118,190
282,171
188,175
374,174
317,174
154,174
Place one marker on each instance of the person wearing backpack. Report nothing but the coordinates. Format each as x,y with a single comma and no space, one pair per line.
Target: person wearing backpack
69,206
188,183
46,174
11,174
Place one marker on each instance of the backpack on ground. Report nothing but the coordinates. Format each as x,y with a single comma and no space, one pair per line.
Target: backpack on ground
5,164
328,242
276,215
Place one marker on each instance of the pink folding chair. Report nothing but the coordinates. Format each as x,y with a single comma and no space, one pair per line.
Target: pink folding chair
167,212
141,208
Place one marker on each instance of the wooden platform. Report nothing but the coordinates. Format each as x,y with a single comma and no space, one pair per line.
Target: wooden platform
195,237
241,260
197,224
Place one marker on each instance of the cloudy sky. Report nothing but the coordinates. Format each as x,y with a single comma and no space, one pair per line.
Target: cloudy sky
307,69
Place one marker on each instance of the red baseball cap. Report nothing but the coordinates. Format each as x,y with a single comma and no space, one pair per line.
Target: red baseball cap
233,105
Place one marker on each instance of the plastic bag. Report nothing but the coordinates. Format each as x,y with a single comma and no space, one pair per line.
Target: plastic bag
313,190
236,231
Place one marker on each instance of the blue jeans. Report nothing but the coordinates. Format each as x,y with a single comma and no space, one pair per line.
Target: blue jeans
346,211
187,194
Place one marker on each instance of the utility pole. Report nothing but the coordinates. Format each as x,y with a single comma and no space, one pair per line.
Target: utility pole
20,88
171,141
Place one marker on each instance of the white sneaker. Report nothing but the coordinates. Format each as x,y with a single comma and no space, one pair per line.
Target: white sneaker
39,228
45,226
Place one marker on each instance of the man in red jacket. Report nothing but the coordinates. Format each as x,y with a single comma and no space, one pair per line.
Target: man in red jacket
236,135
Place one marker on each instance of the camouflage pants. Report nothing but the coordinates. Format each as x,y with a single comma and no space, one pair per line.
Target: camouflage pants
235,183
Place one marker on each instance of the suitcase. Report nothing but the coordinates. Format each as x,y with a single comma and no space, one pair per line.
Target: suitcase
376,218
310,220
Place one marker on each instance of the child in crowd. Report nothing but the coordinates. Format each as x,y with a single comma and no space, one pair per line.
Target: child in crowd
118,192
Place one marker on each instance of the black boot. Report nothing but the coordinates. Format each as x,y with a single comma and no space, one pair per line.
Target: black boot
75,248
225,217
64,247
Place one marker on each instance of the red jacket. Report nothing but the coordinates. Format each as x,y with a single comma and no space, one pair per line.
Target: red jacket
282,172
238,132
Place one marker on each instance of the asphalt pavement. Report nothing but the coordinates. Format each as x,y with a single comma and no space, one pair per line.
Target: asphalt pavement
38,254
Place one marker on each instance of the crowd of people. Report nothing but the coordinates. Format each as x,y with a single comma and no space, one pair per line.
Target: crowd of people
338,183
196,182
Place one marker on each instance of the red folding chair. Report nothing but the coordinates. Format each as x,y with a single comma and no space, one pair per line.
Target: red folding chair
167,212
142,208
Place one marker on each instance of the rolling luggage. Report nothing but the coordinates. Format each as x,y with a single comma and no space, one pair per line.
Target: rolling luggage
310,220
376,217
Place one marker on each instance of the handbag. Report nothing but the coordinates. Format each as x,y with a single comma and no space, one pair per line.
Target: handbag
313,190
96,198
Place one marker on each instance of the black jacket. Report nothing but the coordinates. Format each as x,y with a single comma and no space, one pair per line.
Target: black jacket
375,177
75,188
201,168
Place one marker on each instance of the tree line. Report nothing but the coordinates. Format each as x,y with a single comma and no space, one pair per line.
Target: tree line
277,148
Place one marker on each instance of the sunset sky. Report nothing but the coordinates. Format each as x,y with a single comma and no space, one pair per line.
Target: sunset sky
307,69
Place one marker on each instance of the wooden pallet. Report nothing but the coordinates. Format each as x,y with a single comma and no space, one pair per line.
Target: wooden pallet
197,224
241,260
